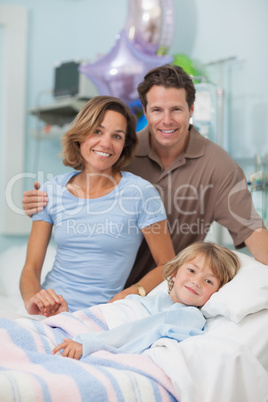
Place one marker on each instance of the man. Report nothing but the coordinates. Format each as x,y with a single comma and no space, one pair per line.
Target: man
198,181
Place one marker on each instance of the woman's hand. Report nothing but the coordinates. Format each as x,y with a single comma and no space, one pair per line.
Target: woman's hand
47,303
72,349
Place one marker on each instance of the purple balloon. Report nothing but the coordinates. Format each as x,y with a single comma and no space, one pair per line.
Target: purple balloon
150,24
120,71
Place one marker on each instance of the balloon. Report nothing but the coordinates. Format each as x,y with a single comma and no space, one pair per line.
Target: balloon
150,24
136,108
186,63
120,71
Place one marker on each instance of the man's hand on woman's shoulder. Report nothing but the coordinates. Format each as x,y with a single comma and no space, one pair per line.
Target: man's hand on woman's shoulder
34,200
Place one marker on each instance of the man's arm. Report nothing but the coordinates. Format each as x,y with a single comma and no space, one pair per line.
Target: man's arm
257,243
34,200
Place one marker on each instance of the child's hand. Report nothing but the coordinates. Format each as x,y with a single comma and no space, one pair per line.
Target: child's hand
71,348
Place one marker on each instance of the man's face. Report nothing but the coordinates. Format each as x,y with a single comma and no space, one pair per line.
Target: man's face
168,116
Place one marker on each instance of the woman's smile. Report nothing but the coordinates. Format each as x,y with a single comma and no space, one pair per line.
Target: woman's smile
102,149
102,154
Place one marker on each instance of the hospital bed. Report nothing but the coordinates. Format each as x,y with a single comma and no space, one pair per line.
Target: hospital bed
229,363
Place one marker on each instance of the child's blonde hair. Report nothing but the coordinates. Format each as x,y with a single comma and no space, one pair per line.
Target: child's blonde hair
223,262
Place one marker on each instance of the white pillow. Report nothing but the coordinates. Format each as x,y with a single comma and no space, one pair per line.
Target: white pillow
163,287
247,293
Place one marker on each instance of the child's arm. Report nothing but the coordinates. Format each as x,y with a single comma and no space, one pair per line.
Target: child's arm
134,337
71,348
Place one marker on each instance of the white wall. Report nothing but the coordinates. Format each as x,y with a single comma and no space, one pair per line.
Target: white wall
238,28
13,22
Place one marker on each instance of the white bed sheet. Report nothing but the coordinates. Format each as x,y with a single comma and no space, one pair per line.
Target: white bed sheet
227,364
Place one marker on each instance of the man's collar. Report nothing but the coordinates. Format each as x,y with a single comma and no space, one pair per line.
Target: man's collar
196,144
195,148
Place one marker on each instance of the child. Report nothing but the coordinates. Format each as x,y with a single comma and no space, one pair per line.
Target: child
193,276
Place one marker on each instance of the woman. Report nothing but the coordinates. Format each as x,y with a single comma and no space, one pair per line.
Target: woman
99,214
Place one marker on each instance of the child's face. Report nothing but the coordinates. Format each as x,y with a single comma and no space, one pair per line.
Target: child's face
194,283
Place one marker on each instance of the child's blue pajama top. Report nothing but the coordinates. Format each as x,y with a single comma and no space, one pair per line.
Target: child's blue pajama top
164,319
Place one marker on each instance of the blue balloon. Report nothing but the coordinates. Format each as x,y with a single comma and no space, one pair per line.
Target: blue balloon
141,123
137,110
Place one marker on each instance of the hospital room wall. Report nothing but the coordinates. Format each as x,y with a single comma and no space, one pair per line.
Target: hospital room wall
206,30
237,29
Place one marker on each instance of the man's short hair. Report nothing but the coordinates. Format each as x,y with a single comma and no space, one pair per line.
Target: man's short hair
168,76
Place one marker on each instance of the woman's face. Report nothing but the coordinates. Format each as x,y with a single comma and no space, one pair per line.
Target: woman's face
103,147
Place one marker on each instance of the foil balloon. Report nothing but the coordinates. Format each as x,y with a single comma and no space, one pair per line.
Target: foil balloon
120,71
150,24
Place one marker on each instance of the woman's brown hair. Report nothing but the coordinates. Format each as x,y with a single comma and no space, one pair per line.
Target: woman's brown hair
86,122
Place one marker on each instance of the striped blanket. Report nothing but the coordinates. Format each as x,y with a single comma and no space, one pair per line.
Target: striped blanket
30,373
